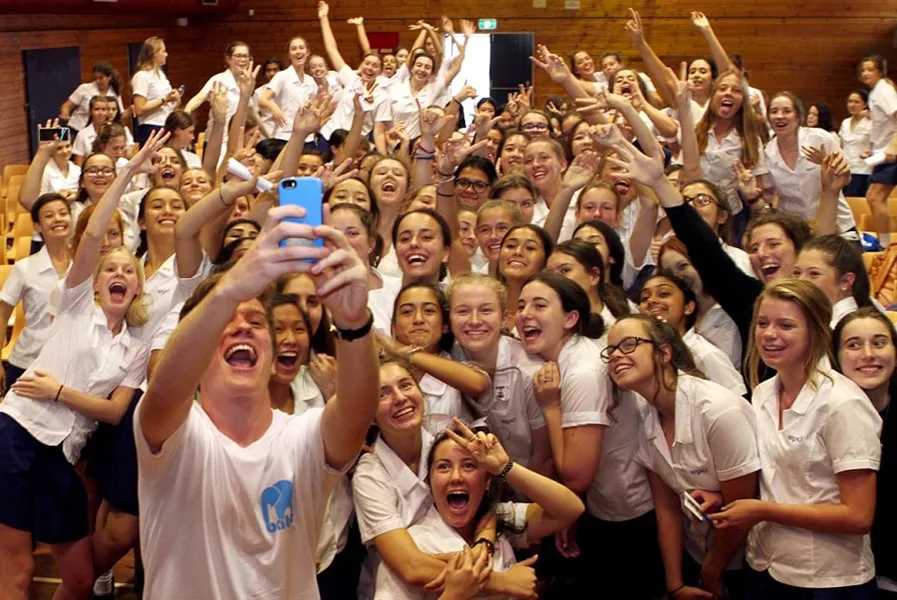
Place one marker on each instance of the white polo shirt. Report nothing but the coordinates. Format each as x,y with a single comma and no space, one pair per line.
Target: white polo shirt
152,85
377,111
382,302
31,281
271,495
841,309
620,490
883,113
718,328
83,144
228,83
84,355
403,102
433,535
800,188
55,181
388,496
306,394
129,208
290,94
715,440
828,430
741,259
855,142
81,99
442,402
716,165
510,406
714,363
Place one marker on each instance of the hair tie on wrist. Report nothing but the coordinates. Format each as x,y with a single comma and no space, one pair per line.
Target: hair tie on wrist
490,547
59,391
504,472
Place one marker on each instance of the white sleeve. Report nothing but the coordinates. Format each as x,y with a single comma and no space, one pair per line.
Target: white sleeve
77,96
78,299
14,289
80,147
649,85
275,84
346,76
137,361
888,100
375,503
850,435
46,182
583,396
718,368
140,84
208,85
153,463
733,442
383,111
533,412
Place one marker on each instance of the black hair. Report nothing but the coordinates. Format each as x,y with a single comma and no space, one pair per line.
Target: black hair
688,295
714,70
229,50
322,341
478,162
273,61
487,100
547,243
290,300
588,256
270,148
573,298
826,119
93,101
845,258
231,224
614,246
178,119
338,137
42,201
370,226
447,340
867,312
508,134
863,94
115,80
443,225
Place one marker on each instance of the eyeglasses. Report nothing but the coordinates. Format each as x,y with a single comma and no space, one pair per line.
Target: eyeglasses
94,171
465,184
700,200
534,127
241,56
627,346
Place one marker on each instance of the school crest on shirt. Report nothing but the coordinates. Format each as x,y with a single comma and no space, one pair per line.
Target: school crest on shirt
277,506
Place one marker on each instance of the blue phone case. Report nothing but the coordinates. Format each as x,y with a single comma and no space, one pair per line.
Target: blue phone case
306,192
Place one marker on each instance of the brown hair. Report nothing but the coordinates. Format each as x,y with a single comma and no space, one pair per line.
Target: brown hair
745,123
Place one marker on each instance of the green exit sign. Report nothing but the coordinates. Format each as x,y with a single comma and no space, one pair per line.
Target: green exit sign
488,24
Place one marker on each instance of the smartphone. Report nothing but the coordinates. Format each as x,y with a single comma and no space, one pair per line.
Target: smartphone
48,134
181,90
308,193
691,505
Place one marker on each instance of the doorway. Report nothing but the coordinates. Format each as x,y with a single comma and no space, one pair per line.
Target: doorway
51,75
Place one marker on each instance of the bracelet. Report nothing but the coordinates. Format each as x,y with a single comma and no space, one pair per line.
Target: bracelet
423,156
452,175
490,547
458,101
221,197
504,472
438,193
59,391
409,354
676,591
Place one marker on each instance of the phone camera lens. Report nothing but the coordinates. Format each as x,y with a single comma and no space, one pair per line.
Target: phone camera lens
289,184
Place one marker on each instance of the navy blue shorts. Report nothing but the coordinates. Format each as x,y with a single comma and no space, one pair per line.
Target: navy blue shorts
761,586
885,174
41,492
113,462
12,374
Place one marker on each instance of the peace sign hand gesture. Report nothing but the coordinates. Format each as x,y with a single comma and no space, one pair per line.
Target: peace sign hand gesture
484,447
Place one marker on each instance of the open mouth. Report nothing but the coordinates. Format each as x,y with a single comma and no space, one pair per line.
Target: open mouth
389,186
117,292
769,271
168,221
241,356
59,228
727,103
475,333
621,368
622,186
415,260
531,334
403,413
625,89
658,312
288,359
870,369
540,173
457,500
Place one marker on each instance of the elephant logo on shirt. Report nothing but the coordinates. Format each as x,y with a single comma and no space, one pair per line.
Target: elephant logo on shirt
277,506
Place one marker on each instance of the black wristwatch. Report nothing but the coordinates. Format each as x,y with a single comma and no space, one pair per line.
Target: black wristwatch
348,335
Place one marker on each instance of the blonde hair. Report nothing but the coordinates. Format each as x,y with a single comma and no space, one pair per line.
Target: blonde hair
478,279
138,311
509,207
817,310
746,123
149,48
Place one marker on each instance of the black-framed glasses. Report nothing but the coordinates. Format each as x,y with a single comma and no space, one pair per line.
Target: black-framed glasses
700,200
94,171
465,184
626,346
534,127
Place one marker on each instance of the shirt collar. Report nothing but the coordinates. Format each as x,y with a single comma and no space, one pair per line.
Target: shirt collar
100,320
842,308
41,260
397,470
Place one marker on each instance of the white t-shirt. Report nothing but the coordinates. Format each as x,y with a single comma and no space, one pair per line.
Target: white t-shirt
241,522
81,99
715,440
152,85
828,430
31,281
883,112
442,402
229,84
55,181
82,354
855,142
290,94
714,363
403,102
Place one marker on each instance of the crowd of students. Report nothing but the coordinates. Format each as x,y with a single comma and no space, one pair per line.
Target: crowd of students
621,346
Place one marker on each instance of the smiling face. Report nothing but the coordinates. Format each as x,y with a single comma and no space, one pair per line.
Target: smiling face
583,65
781,333
115,147
476,316
420,247
597,239
625,83
772,253
870,74
493,140
390,65
356,233
567,266
663,300
582,139
783,116
163,208
117,282
422,68
54,221
168,168
542,166
458,484
867,354
471,187
97,174
244,361
298,51
492,225
703,199
241,231
729,96
271,69
700,74
389,181
309,165
418,319
401,406
370,68
855,104
317,67
195,184
522,254
241,209
293,341
635,371
239,58
813,117
536,125
597,204
511,158
542,322
467,224
352,191
815,266
524,200
609,66
303,287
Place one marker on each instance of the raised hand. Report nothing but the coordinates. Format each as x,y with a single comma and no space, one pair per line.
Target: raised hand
835,173
53,145
547,385
748,186
606,134
153,143
355,21
635,29
398,135
468,28
552,64
246,79
454,152
581,170
700,21
331,176
218,103
432,120
685,91
814,155
466,574
484,447
447,25
313,115
323,10
646,170
526,96
467,92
